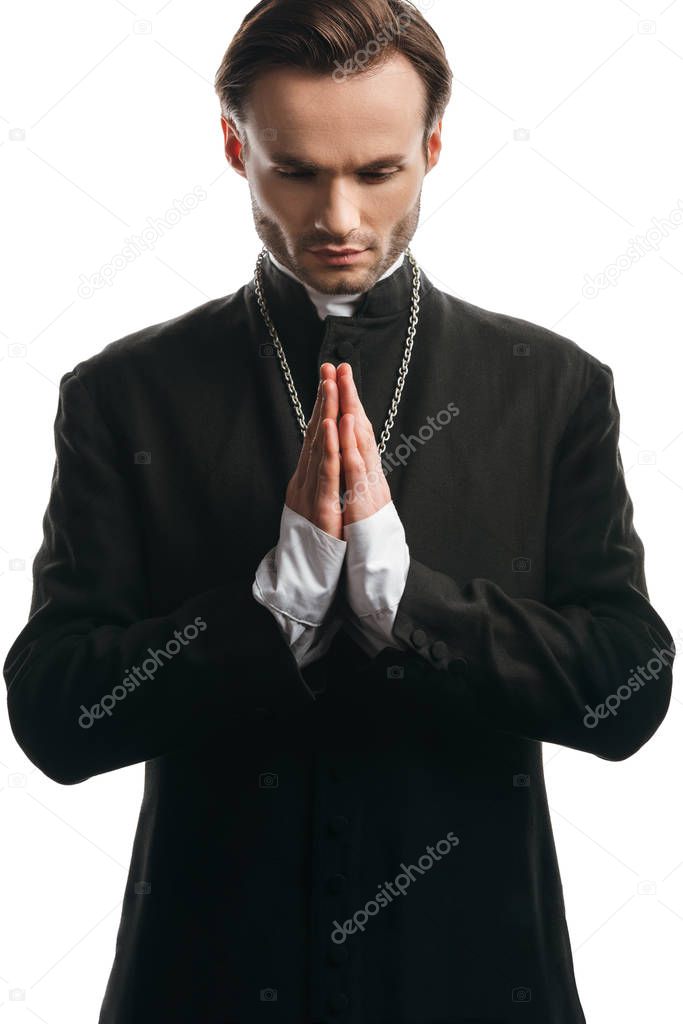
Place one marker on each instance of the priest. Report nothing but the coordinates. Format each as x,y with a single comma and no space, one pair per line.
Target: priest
337,621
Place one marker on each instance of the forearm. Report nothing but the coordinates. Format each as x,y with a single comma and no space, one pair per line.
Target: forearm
535,670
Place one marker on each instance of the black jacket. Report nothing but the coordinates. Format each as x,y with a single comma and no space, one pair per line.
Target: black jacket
281,870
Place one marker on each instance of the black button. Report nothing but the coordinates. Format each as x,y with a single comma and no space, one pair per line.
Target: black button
338,955
419,637
336,883
345,351
338,1002
439,649
337,824
460,666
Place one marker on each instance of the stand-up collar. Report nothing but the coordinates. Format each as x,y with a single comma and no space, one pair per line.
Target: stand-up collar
335,305
288,300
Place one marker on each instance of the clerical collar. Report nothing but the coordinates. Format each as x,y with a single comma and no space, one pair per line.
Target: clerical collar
382,312
335,305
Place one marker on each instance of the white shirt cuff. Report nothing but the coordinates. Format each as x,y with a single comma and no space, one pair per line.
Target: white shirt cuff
299,576
297,581
377,564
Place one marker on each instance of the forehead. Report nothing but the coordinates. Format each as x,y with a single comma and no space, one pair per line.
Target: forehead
291,107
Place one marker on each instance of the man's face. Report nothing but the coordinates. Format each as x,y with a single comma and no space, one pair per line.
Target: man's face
336,132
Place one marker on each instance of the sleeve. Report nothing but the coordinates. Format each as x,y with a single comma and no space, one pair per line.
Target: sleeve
94,682
297,580
377,563
590,667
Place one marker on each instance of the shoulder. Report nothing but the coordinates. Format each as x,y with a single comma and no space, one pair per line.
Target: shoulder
159,348
522,338
532,360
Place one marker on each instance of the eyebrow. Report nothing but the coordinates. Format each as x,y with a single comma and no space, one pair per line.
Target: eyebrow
285,160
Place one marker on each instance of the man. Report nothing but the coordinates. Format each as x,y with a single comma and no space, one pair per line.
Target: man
344,815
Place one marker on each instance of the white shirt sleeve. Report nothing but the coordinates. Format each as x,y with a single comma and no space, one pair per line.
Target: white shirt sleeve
297,581
377,564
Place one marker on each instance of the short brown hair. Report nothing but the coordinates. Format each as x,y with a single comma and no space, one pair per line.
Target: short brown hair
317,35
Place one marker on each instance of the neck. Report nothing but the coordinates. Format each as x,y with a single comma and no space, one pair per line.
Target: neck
333,305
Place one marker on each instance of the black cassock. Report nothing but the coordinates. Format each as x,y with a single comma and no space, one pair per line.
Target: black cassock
366,842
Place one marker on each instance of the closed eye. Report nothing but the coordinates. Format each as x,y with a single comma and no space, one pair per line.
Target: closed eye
370,175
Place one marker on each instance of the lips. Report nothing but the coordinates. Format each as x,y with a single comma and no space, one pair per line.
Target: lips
338,252
339,257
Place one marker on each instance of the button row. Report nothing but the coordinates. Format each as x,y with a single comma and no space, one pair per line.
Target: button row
338,824
345,351
338,955
336,884
439,650
338,1002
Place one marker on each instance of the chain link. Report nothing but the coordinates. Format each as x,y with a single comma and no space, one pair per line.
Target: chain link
403,370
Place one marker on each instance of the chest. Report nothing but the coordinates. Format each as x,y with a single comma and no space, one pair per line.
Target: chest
468,461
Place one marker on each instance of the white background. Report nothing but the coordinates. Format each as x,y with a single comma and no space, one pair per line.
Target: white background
107,116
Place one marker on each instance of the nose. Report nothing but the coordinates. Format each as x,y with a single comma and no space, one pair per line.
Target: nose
338,215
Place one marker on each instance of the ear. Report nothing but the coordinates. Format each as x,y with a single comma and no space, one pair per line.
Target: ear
234,146
434,147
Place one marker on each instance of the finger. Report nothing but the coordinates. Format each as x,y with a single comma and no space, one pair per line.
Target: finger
349,397
329,467
327,371
304,455
351,403
355,478
329,407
